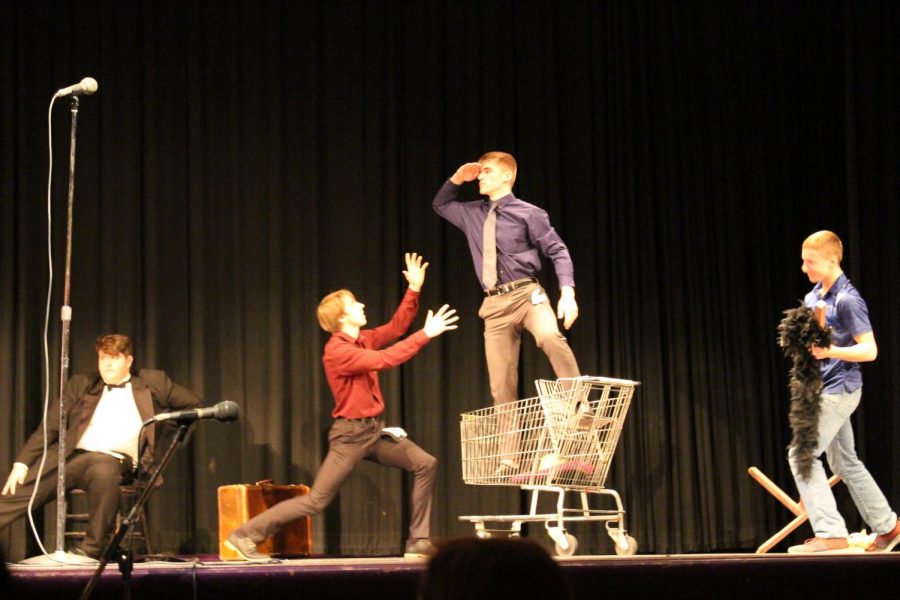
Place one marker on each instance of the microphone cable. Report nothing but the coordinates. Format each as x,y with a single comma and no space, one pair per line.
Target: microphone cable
46,356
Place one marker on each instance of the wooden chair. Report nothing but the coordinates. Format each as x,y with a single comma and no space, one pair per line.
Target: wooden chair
795,507
77,516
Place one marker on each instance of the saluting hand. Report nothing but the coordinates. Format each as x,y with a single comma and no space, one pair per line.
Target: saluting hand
467,172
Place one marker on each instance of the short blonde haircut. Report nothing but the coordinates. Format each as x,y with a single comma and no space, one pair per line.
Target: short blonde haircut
505,160
826,243
331,309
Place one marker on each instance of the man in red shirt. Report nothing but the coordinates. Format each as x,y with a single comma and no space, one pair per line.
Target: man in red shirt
352,359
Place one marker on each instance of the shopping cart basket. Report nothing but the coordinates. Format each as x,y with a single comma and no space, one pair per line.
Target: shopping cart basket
561,441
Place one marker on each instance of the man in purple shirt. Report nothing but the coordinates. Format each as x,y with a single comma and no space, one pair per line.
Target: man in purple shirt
852,342
507,237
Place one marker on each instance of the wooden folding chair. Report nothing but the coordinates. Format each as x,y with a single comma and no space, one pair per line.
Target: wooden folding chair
795,507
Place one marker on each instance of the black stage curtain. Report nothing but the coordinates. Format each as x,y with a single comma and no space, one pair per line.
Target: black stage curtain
240,160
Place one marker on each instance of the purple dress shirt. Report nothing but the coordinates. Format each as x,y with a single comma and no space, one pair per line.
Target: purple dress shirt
523,234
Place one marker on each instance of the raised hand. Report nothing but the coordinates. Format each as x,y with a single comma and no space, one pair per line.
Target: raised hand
415,271
443,320
467,172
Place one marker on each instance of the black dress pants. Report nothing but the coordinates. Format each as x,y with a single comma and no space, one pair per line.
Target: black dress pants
349,442
96,473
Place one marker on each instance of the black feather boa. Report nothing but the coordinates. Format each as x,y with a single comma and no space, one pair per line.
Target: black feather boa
797,332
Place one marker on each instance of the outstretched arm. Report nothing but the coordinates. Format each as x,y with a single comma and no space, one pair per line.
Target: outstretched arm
409,306
342,357
345,358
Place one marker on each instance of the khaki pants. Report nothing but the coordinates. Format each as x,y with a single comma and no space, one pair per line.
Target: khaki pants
504,318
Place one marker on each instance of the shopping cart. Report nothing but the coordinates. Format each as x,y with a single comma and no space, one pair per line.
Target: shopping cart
561,441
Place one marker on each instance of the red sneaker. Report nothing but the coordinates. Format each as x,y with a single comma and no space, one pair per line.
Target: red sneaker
886,541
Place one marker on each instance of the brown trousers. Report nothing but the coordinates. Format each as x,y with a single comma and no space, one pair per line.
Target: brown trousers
504,318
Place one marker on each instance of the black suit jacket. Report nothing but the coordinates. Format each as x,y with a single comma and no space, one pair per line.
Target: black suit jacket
153,393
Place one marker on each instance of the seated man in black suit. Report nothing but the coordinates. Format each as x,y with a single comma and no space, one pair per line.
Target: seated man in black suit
105,412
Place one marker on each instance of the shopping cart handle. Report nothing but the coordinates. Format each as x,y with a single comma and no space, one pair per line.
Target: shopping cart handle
603,380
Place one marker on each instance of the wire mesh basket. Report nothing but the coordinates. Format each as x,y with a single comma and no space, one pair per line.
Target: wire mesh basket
566,436
560,441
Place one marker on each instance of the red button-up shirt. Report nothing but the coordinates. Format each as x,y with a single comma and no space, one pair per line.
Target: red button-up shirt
352,365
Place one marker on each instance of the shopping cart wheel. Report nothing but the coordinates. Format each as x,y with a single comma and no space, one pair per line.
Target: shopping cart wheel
571,546
631,549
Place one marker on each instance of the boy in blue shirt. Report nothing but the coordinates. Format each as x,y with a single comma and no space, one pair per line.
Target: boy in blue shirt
853,342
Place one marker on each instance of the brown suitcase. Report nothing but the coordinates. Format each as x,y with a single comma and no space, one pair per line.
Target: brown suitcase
241,502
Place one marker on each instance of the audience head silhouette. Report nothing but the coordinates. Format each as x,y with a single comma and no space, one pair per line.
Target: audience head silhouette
493,568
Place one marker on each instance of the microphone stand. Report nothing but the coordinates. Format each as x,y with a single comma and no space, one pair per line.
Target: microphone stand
66,318
124,557
60,556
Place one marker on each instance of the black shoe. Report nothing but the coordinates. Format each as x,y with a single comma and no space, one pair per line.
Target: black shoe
421,548
245,547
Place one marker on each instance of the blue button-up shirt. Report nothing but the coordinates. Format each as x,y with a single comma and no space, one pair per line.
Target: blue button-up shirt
847,314
523,234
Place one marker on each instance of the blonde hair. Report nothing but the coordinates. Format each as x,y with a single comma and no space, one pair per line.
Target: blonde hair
505,160
331,309
825,242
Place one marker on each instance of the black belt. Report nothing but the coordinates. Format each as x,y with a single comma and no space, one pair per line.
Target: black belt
509,287
360,420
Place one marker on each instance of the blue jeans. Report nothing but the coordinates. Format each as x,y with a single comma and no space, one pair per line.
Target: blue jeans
836,440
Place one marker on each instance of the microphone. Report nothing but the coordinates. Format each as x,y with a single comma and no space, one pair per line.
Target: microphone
223,411
86,86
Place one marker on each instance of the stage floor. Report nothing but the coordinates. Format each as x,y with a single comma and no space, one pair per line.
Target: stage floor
771,575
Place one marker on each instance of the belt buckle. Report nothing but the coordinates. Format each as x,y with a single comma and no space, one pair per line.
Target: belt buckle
514,285
506,288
